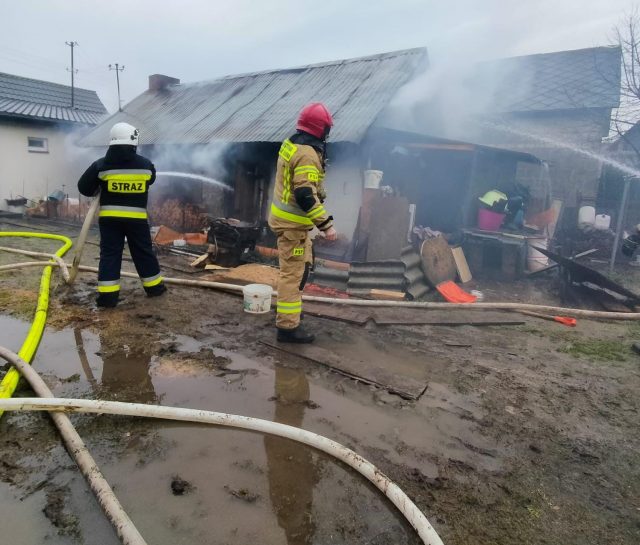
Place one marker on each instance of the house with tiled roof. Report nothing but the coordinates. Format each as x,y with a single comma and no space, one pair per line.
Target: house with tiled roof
557,106
37,122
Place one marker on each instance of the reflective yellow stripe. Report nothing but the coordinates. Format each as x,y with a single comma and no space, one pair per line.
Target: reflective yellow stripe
317,212
302,220
286,193
108,289
127,177
306,168
122,214
152,283
289,305
289,310
312,173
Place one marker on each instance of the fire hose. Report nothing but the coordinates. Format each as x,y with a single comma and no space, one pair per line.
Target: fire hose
514,307
125,528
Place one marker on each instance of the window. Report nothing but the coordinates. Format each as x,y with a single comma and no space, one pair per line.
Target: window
37,145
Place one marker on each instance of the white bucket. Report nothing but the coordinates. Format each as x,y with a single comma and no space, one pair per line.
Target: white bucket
586,215
537,260
257,298
372,179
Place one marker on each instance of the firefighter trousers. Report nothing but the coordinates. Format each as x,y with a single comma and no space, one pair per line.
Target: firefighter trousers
112,236
295,259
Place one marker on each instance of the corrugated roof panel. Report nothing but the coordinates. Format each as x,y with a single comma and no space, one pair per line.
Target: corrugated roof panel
48,101
264,106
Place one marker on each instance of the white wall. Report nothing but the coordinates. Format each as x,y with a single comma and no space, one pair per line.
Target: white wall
343,184
36,175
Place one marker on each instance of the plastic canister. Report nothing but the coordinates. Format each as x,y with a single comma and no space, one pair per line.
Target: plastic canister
372,179
603,222
587,215
257,298
537,260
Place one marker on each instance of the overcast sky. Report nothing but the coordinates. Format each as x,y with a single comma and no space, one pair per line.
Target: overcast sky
201,39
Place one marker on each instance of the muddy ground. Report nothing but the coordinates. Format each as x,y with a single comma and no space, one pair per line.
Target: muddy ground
527,436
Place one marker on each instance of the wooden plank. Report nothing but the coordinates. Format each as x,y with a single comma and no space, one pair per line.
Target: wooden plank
406,316
450,323
387,295
355,315
461,264
199,261
388,228
387,366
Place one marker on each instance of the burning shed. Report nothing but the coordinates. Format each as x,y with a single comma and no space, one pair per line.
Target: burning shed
215,145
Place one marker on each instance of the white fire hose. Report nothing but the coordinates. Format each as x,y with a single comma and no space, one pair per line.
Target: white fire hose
125,528
515,307
123,525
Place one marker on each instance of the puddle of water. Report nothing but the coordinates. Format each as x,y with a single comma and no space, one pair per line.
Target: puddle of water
301,496
24,516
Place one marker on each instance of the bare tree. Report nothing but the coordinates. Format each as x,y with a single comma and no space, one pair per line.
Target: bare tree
624,118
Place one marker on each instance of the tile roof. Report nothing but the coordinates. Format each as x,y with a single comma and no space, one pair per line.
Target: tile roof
565,80
263,106
36,99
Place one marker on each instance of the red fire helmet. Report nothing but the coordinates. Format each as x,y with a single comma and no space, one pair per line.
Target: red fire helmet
315,119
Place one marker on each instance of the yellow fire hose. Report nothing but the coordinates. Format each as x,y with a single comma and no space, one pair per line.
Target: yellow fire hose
30,345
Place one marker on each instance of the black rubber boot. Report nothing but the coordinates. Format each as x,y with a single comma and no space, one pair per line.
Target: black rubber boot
155,291
107,300
296,335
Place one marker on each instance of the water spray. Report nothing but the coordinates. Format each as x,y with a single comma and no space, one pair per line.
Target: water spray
197,177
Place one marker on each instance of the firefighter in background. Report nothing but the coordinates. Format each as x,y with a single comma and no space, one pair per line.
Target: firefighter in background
296,209
122,177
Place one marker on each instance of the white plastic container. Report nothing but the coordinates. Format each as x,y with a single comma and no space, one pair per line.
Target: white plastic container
372,179
257,298
586,215
603,222
535,259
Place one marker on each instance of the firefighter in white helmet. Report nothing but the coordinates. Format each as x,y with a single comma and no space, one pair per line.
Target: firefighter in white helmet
122,177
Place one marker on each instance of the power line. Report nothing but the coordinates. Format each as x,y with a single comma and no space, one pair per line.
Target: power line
72,44
118,69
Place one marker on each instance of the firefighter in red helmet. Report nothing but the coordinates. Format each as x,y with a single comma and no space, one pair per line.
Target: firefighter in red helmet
296,209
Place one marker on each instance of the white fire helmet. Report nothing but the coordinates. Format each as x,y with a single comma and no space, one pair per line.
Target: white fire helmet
123,134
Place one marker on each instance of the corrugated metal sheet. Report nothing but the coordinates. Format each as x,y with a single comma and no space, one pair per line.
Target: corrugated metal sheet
35,99
330,277
263,106
405,275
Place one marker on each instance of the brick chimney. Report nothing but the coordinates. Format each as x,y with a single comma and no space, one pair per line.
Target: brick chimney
157,82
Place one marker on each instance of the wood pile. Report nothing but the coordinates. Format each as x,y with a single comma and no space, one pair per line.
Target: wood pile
178,215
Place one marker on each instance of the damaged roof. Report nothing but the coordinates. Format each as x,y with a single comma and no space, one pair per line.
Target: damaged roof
36,99
565,80
263,106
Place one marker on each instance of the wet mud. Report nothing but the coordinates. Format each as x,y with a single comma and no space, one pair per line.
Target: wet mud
519,438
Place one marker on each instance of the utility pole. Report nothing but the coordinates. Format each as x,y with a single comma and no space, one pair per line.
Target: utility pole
118,69
621,213
72,44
